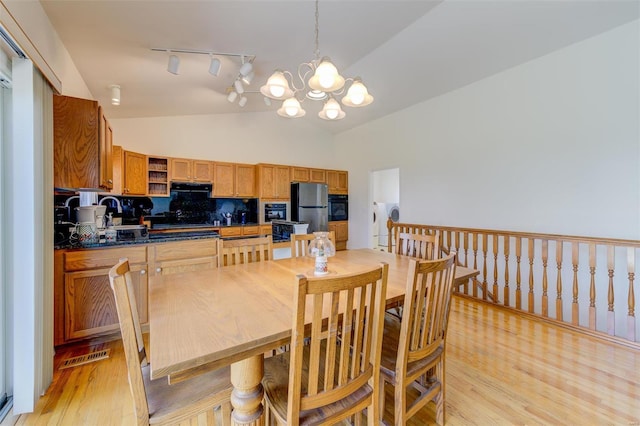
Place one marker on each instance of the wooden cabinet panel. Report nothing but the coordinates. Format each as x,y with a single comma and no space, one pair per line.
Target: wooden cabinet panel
337,181
78,260
234,231
245,180
118,169
183,249
180,169
317,175
82,142
341,229
223,179
250,230
299,174
266,229
158,178
185,265
274,182
135,173
201,171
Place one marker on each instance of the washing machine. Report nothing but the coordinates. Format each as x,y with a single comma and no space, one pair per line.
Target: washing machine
393,212
376,226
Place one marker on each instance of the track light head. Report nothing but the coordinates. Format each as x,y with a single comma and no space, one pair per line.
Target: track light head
238,86
115,94
243,101
246,68
231,97
214,67
174,64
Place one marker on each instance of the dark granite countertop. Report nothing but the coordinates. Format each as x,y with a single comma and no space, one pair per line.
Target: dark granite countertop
157,238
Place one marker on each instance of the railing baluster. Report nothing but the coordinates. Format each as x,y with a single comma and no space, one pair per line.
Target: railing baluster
545,281
485,241
592,286
611,319
495,267
531,303
506,270
559,280
465,245
575,313
518,276
475,262
631,317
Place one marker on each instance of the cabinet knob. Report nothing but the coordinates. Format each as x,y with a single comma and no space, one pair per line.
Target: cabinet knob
110,181
158,270
142,272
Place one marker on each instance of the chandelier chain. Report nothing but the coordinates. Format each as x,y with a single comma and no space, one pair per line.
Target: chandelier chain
317,52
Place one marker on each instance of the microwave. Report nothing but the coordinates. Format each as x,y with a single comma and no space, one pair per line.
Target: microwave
338,207
270,211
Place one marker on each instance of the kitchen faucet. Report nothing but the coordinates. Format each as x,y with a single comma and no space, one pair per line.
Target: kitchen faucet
66,203
109,197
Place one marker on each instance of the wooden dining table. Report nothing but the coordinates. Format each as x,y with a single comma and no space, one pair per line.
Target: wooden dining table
232,315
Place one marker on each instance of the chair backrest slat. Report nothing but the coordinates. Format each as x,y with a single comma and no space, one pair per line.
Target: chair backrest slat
422,246
300,243
245,250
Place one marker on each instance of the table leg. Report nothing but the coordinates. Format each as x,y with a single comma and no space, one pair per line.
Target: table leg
246,398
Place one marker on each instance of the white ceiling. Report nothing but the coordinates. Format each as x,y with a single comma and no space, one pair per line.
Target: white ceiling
405,51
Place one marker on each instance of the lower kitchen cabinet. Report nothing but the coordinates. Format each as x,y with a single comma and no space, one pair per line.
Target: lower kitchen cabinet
341,229
83,301
240,231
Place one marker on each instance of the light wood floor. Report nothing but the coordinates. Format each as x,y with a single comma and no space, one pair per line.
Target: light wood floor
502,369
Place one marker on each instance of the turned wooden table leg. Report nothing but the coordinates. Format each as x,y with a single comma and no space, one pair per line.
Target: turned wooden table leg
246,398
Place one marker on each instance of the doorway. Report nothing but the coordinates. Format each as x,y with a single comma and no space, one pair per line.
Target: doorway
386,203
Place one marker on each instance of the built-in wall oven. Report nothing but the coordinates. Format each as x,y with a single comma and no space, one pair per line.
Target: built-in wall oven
338,207
270,211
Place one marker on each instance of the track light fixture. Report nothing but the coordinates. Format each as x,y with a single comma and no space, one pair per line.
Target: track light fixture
115,94
174,64
214,66
317,80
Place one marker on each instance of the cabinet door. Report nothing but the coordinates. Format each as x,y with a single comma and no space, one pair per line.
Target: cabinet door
299,174
201,171
180,169
337,182
283,182
89,304
118,170
317,176
76,144
106,150
135,173
267,181
245,180
186,265
223,179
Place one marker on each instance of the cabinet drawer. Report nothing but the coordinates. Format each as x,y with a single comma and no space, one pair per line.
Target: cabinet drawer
235,231
251,230
184,249
103,257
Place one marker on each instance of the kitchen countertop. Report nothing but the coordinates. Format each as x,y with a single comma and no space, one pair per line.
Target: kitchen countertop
153,238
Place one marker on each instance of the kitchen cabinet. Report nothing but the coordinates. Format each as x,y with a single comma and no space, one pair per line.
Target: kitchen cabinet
266,229
158,177
117,156
82,141
317,176
299,174
240,231
274,182
135,174
234,180
337,181
185,170
83,301
341,229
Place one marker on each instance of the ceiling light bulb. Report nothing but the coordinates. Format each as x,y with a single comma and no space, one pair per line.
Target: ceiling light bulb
214,67
174,63
277,84
326,73
291,107
231,97
247,79
332,109
239,87
246,68
243,101
115,94
357,92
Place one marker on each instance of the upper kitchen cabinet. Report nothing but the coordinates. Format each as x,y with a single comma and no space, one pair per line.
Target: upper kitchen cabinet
234,180
158,180
135,174
317,176
299,174
185,170
338,182
82,145
274,182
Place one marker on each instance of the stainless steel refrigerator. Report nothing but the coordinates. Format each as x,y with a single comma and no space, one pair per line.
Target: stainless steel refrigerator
309,203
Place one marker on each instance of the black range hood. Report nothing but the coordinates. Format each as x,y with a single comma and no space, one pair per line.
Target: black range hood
191,187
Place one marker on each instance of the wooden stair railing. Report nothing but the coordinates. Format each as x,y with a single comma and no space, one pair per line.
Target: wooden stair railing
593,277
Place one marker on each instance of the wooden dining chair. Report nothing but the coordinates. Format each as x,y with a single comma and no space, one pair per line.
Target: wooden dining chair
335,376
418,245
413,348
155,401
245,250
300,243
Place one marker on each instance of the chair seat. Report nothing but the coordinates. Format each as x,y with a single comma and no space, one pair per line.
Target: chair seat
166,401
276,386
390,341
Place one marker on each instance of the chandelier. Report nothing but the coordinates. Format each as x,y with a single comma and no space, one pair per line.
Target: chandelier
317,80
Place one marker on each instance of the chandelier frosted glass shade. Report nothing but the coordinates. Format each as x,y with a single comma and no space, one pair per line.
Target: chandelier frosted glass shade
277,87
291,109
326,77
357,95
331,111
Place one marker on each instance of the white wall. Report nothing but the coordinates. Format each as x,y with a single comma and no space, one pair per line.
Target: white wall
386,185
548,146
243,138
